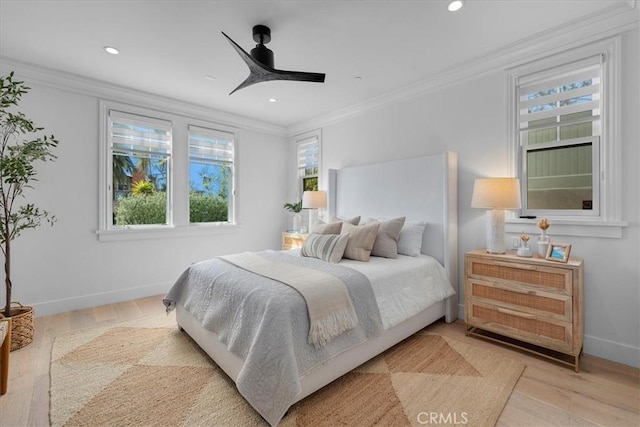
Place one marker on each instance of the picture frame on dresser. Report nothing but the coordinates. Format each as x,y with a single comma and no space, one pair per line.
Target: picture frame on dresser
558,252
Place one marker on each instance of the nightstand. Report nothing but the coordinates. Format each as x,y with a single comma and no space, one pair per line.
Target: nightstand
292,240
530,303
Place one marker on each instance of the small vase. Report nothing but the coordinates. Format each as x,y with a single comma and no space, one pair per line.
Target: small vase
543,244
297,222
524,250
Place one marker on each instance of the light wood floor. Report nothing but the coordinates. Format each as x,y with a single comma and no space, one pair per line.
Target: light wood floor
603,393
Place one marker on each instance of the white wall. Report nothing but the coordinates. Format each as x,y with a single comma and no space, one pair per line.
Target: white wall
65,267
470,118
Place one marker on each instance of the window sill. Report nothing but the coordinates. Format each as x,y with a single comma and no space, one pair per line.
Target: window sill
163,232
568,227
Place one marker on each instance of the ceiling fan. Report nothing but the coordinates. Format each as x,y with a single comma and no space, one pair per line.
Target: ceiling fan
261,62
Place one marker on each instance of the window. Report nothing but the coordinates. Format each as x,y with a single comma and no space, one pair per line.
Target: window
308,163
140,151
559,129
164,174
210,175
566,140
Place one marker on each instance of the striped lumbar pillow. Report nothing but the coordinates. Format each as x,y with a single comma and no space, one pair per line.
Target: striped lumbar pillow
327,247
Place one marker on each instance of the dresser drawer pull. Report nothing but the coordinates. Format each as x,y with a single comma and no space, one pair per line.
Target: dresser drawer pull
518,266
515,313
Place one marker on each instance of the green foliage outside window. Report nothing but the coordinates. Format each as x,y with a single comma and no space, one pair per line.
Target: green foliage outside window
208,208
142,188
152,209
142,209
310,184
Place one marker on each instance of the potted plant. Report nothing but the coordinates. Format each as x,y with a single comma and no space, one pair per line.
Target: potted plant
18,154
297,218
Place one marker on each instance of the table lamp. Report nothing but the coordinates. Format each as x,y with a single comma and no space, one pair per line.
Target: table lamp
496,195
313,200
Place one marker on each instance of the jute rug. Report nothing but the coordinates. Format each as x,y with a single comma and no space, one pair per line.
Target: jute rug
146,372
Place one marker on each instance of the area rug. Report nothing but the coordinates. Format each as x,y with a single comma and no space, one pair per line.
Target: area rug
147,373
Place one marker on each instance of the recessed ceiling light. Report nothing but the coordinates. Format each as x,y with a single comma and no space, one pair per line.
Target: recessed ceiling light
455,5
112,50
209,77
273,100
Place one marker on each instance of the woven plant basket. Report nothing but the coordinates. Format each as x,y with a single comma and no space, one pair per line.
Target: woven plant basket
22,325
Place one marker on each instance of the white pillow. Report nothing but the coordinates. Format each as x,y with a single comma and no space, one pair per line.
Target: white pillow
410,240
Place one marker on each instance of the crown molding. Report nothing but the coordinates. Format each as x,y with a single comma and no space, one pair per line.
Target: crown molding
92,87
615,20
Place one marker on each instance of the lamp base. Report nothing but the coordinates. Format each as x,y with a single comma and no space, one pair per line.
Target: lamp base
311,220
495,231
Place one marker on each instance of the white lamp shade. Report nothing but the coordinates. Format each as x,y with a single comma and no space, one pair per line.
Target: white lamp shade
496,193
314,199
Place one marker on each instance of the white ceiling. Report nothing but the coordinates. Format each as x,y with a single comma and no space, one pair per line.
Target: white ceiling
167,47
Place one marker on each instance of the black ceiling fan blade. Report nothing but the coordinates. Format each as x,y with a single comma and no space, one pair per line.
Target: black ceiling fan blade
259,72
301,76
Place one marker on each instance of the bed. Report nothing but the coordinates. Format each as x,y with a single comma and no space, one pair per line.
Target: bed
422,189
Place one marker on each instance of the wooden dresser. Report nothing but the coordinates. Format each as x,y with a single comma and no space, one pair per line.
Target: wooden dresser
292,240
529,303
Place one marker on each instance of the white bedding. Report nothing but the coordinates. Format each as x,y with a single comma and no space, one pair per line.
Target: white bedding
403,286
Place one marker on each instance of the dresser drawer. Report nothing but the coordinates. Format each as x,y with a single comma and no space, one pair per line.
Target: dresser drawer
550,279
543,331
540,303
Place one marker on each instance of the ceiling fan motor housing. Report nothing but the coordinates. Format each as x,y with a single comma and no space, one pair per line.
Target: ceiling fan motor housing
261,53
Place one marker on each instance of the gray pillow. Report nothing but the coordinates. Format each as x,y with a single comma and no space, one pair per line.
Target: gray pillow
386,243
361,240
327,247
355,220
331,228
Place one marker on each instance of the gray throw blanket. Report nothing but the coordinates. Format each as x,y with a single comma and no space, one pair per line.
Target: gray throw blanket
266,324
328,304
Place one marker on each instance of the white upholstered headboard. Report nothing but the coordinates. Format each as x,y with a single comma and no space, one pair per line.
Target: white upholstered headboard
421,188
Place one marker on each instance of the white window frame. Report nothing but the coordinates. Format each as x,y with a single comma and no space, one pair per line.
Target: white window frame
144,117
178,195
302,139
609,222
227,135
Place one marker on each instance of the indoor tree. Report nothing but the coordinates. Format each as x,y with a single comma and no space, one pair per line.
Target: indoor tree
18,154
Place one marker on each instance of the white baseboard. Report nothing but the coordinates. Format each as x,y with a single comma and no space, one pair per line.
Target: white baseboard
600,347
611,350
93,300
